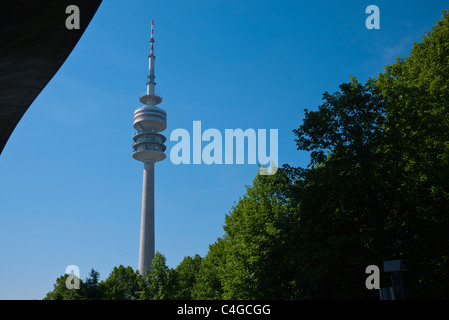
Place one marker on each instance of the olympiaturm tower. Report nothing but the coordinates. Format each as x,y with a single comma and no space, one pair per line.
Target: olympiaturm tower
149,148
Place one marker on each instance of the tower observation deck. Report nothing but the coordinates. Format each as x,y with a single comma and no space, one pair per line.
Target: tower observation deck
149,148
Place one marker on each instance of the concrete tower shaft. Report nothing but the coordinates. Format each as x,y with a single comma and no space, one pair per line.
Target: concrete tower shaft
146,249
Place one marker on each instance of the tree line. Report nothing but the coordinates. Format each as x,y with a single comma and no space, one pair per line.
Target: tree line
376,189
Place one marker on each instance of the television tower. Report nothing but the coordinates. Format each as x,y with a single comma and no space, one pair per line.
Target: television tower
149,148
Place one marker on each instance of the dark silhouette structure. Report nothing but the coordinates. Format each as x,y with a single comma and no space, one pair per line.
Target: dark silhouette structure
34,44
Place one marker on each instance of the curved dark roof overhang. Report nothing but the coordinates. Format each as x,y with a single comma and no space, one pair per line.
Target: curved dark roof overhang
34,43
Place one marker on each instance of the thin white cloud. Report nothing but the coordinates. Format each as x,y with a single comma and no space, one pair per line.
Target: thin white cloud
400,49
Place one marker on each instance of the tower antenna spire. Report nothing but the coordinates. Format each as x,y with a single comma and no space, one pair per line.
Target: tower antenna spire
151,99
152,39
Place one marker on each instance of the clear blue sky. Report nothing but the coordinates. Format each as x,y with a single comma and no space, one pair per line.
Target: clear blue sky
70,191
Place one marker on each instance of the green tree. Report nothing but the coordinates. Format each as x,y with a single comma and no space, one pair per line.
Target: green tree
208,284
377,187
339,223
160,283
186,273
60,291
121,284
90,289
253,267
416,90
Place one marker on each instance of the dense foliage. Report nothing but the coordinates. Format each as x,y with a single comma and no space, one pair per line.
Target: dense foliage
376,189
